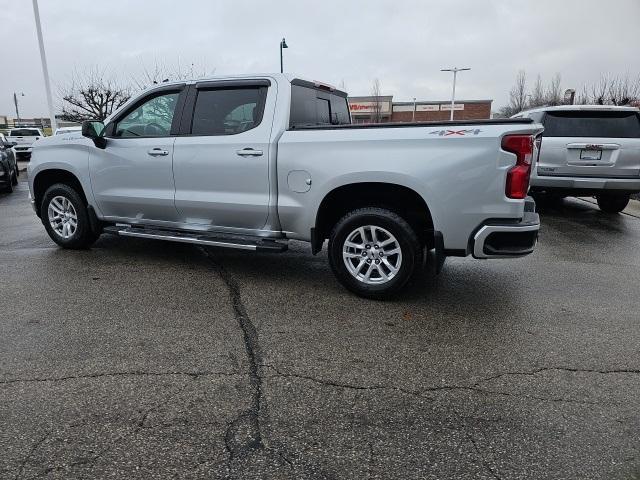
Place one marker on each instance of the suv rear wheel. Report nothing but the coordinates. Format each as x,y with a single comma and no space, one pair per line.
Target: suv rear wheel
65,217
373,252
612,203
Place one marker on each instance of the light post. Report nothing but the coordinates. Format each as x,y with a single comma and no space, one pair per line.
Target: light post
15,102
45,70
455,71
413,117
283,44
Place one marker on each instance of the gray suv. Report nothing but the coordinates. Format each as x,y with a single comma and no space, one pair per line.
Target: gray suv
588,150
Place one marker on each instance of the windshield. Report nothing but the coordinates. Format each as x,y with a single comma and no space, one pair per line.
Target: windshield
24,132
605,124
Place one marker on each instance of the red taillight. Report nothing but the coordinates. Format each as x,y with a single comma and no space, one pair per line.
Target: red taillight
518,176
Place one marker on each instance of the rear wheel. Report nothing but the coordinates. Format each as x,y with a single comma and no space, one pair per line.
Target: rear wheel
611,203
373,252
65,217
14,177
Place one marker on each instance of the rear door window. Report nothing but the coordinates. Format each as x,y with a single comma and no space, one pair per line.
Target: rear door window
605,124
312,107
228,111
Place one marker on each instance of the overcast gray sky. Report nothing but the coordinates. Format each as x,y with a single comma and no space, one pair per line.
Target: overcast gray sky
403,43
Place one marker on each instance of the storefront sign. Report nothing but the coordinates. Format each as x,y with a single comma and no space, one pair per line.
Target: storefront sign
447,106
369,107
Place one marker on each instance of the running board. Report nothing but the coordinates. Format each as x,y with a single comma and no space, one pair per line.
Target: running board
224,241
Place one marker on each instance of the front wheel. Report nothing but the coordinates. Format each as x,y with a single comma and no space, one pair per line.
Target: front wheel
65,217
609,203
373,252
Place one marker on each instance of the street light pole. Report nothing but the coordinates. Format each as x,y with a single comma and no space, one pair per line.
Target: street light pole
45,70
413,117
15,102
455,71
283,44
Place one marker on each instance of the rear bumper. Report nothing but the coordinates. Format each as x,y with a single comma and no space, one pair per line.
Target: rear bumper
507,240
584,184
23,148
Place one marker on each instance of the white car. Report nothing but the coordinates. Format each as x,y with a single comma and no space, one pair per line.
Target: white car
24,138
63,130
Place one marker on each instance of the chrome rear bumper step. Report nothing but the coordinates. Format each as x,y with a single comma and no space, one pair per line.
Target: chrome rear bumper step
218,240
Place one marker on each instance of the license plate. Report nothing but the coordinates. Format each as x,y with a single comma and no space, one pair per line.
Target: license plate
590,154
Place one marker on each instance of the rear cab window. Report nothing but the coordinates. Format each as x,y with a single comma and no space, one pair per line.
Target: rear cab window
592,123
316,105
24,132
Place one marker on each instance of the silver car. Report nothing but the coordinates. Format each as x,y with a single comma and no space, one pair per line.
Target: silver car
588,150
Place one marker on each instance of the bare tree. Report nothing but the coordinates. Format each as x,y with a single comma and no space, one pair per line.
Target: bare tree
554,91
160,73
537,97
517,96
599,90
376,111
623,91
92,95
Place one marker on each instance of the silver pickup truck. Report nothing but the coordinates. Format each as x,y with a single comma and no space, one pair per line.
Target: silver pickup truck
251,162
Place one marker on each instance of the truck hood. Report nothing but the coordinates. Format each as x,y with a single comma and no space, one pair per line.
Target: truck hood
63,139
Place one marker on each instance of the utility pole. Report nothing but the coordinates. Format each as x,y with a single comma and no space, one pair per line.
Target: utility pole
45,70
283,44
455,71
413,117
15,102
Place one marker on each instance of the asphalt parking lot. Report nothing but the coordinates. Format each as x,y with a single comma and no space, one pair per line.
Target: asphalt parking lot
145,359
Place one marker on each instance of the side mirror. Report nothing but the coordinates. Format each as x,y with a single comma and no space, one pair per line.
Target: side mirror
93,129
11,144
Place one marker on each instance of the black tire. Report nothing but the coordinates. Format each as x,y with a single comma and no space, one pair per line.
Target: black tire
8,188
14,178
611,203
83,237
407,240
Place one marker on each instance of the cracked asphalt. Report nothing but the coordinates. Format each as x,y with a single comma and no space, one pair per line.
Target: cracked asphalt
145,359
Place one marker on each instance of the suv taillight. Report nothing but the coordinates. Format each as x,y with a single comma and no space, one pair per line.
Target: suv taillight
518,176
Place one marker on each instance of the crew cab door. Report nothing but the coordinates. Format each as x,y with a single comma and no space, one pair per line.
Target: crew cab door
590,143
221,158
132,177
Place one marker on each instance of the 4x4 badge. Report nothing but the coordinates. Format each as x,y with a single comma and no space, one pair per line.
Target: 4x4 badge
448,133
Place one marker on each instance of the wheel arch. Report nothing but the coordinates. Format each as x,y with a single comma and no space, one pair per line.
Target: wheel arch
403,200
45,178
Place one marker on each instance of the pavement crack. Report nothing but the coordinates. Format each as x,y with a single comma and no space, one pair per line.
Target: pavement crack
561,369
480,454
32,450
349,386
243,434
422,392
135,373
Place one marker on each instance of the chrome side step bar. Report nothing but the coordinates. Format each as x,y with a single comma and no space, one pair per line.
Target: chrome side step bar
224,241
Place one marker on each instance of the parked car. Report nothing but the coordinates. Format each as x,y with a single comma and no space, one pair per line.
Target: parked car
24,138
251,162
8,165
63,130
588,150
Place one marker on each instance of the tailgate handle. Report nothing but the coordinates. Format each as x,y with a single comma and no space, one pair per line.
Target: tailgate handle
593,146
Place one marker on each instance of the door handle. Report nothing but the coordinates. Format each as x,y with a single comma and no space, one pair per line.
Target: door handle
249,152
158,152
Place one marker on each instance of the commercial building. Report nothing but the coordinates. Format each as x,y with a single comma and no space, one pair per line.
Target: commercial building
384,109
